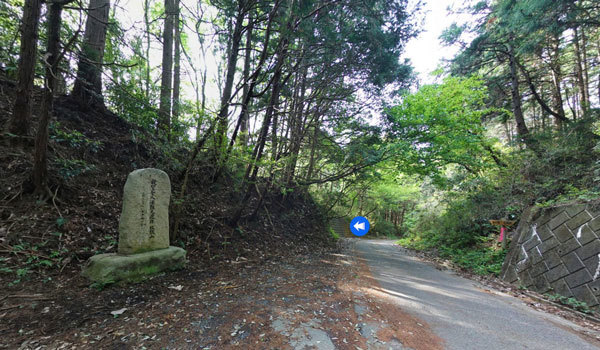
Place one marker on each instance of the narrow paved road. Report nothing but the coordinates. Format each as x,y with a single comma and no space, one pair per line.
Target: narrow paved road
457,309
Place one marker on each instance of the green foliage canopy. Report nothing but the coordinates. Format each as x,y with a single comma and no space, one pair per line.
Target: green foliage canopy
441,125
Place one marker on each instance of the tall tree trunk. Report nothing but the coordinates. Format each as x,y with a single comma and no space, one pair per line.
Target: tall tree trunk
274,139
244,117
249,84
88,85
236,38
40,159
296,128
536,95
568,99
177,65
147,24
586,76
21,114
507,131
202,113
579,73
283,146
401,218
252,169
554,53
516,97
598,60
164,110
202,110
313,149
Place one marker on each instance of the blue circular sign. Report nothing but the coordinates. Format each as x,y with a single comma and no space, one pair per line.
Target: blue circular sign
360,226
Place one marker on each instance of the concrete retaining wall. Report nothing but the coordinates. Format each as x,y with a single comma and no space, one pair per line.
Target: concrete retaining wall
556,250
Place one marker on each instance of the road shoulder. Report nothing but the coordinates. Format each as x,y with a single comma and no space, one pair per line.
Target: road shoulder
584,326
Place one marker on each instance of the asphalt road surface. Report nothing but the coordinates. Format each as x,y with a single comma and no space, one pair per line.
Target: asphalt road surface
458,310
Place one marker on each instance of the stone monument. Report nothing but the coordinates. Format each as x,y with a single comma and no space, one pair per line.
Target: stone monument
143,233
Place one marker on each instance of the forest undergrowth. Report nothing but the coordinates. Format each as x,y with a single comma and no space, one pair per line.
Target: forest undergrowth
91,154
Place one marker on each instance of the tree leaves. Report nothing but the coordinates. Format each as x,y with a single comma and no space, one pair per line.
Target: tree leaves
441,125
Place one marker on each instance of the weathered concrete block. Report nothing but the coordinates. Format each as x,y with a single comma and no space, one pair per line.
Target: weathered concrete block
578,220
544,216
578,278
566,260
113,268
583,293
144,223
513,259
544,232
563,233
523,232
556,273
538,269
595,224
568,247
572,262
530,244
595,287
592,263
573,210
523,265
584,234
561,287
558,220
541,284
525,279
521,255
510,276
548,244
551,258
535,256
588,250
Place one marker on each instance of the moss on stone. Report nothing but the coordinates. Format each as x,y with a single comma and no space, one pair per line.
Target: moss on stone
114,268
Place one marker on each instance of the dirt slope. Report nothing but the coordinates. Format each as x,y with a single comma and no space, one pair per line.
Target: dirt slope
91,152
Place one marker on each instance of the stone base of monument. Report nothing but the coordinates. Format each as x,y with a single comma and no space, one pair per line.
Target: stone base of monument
115,268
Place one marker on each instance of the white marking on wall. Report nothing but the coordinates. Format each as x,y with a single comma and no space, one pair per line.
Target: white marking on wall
533,234
524,260
597,269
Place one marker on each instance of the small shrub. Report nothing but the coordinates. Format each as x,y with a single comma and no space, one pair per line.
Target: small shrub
70,168
480,259
570,302
74,138
384,228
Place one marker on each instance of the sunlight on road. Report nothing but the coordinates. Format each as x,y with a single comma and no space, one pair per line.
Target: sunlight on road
457,309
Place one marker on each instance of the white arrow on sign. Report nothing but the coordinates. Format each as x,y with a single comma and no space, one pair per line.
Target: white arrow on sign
359,226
